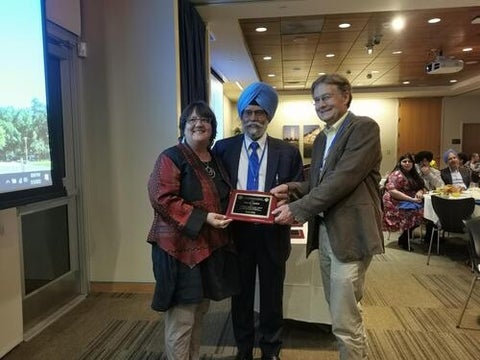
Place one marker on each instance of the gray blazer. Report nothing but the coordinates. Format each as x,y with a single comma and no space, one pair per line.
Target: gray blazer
346,190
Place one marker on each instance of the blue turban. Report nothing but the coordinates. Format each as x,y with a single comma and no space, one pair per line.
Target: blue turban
260,93
448,152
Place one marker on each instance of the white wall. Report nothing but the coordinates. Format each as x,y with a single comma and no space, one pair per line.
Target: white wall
456,112
131,95
11,330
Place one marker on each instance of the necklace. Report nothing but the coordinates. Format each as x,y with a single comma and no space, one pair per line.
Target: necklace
209,169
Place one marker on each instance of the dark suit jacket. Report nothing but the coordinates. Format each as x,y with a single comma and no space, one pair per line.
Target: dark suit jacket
346,190
446,175
284,164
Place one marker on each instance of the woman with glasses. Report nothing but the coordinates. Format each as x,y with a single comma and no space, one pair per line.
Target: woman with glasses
403,199
193,256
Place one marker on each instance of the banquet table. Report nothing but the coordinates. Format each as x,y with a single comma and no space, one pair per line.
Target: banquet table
303,295
429,213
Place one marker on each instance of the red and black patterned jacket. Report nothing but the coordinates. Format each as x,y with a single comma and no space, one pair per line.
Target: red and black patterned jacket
182,194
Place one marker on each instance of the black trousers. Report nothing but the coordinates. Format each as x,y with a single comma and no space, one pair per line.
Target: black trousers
260,247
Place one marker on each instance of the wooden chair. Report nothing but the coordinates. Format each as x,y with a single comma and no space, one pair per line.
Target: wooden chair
473,228
451,214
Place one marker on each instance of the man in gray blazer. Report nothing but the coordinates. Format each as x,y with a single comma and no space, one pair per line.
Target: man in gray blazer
341,202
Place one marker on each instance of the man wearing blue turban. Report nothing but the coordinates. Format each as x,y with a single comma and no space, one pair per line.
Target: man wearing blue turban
258,162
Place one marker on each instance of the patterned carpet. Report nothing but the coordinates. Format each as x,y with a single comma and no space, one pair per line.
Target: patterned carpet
410,312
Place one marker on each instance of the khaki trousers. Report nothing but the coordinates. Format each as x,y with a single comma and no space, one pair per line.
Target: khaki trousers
183,325
343,283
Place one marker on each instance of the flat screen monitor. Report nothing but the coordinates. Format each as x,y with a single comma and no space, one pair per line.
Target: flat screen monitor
25,128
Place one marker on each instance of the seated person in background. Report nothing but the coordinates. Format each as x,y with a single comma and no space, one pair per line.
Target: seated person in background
474,165
404,184
454,174
431,178
462,159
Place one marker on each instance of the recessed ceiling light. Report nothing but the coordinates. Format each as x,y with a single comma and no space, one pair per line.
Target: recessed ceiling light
267,58
330,55
375,71
344,25
398,23
453,81
434,20
406,82
467,49
271,75
261,29
321,73
396,52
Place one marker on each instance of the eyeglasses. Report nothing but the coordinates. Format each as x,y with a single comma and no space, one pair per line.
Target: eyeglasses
324,98
256,113
202,120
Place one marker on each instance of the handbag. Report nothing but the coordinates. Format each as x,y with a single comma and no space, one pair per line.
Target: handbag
410,205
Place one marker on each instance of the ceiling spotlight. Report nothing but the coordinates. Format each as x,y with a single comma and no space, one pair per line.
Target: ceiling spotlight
369,49
261,29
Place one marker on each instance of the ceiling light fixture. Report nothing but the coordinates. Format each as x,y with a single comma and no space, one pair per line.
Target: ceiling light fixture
267,58
369,49
434,20
344,26
271,75
330,55
261,29
453,81
475,20
397,52
467,49
398,24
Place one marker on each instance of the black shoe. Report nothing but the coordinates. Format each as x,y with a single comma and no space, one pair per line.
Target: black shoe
243,356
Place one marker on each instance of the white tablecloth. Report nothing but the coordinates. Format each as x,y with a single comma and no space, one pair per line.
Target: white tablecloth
303,296
429,213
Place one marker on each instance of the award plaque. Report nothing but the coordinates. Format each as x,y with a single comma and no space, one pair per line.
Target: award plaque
251,206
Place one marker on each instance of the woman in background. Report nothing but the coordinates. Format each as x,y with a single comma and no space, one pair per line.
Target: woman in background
193,257
403,198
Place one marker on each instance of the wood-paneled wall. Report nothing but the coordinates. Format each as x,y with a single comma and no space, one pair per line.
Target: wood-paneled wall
419,125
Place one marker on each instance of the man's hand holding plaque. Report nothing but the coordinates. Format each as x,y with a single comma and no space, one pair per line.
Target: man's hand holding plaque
251,206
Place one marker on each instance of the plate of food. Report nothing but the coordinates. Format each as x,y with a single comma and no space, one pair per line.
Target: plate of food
450,191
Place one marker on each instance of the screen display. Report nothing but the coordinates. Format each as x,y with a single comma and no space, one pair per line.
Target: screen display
25,161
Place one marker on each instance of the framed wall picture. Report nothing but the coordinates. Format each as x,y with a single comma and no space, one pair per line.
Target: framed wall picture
310,132
291,134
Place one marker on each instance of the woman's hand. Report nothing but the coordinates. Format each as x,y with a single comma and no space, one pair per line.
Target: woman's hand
419,196
218,221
